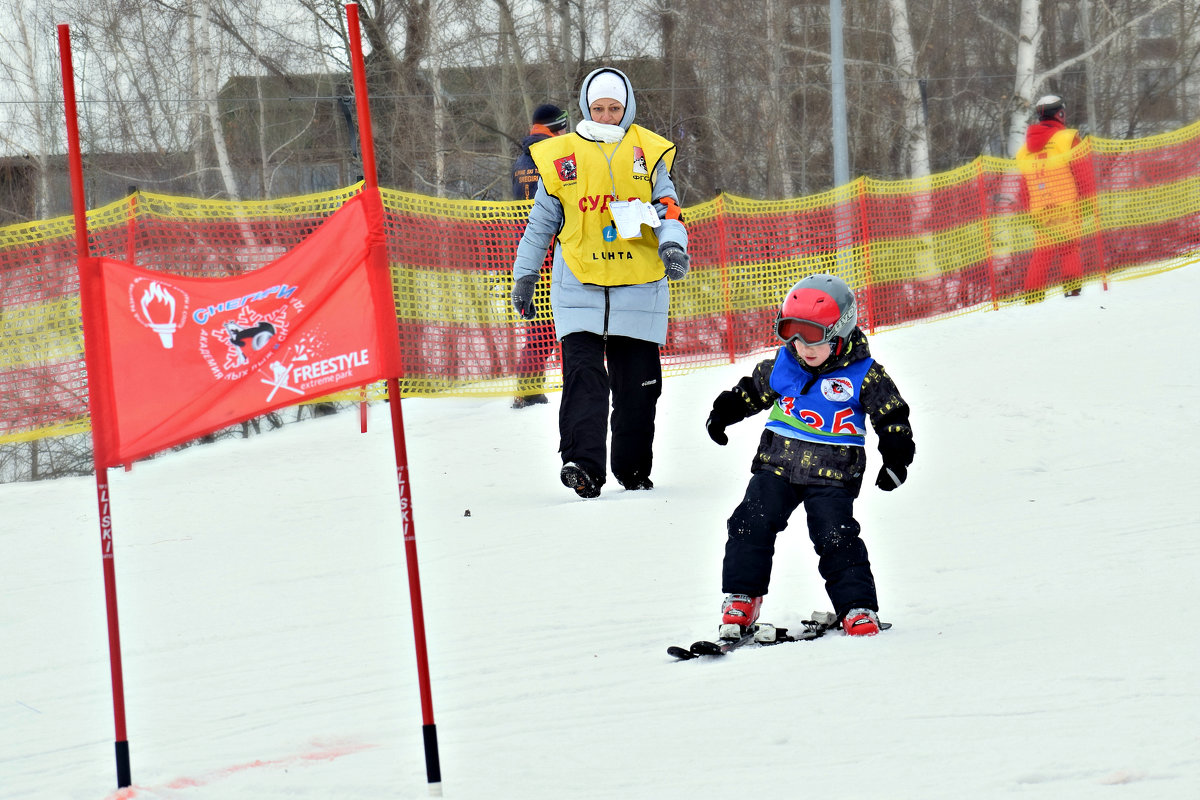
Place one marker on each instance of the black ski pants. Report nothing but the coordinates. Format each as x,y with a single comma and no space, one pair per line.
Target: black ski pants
633,378
764,512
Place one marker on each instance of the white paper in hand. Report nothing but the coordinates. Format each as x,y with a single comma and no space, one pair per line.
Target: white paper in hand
631,215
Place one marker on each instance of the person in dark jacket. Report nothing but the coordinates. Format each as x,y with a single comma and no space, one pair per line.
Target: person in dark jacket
821,387
548,121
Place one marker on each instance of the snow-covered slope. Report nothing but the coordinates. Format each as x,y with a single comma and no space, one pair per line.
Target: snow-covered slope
1038,566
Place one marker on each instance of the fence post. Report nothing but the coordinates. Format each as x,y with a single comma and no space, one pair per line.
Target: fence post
723,266
860,203
1097,220
985,220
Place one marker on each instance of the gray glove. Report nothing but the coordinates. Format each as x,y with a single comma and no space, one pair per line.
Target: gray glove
674,259
522,296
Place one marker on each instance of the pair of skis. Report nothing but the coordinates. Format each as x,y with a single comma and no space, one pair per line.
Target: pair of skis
762,634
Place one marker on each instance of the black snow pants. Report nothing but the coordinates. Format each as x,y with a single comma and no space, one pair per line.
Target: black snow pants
634,380
764,512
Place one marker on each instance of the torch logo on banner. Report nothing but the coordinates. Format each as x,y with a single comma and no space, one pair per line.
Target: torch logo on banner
160,307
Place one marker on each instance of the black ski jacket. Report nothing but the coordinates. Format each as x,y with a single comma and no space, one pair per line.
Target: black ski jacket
812,463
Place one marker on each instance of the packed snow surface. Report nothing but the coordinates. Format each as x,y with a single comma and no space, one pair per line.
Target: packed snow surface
1039,567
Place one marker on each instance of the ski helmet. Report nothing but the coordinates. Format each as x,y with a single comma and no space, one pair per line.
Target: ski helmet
817,310
1048,106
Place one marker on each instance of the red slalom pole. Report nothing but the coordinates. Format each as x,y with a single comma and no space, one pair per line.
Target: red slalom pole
79,205
433,769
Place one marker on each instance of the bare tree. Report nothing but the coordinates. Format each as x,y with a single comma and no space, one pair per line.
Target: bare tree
916,132
1030,81
773,105
512,63
206,83
33,128
742,88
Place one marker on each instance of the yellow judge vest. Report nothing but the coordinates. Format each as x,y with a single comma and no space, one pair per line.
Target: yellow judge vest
576,171
1048,172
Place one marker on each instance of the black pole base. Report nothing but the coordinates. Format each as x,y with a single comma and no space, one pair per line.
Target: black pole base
433,768
124,775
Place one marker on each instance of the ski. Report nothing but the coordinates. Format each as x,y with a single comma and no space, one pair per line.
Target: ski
822,622
722,646
761,633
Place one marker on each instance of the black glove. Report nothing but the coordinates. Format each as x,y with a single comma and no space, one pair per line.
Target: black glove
674,260
728,408
522,296
897,450
716,429
891,476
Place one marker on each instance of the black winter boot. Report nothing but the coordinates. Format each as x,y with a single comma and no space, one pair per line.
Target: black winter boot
635,482
574,476
521,401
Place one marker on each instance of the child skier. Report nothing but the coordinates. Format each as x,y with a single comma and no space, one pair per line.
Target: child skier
819,387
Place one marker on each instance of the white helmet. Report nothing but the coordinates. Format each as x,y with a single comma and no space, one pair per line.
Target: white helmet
1049,105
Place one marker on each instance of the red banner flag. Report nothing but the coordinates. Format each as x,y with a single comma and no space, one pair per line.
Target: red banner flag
173,358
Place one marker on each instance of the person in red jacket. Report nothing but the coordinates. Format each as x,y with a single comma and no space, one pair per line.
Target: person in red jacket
1056,182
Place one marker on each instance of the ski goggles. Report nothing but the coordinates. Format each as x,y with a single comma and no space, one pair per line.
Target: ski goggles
789,329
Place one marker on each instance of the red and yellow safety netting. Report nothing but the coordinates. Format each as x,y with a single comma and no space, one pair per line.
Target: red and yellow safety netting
990,233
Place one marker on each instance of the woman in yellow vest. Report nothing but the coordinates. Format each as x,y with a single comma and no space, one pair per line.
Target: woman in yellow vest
606,194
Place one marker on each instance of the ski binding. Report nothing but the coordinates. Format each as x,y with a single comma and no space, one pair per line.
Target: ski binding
762,634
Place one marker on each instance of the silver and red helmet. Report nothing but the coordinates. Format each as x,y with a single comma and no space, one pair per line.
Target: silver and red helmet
819,309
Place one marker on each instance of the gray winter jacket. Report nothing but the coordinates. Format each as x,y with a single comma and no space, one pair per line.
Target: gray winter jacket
638,311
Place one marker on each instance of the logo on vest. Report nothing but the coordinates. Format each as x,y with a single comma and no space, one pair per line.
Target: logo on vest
566,168
639,161
838,390
610,233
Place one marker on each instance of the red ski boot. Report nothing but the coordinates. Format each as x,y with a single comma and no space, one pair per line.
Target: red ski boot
738,613
860,622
